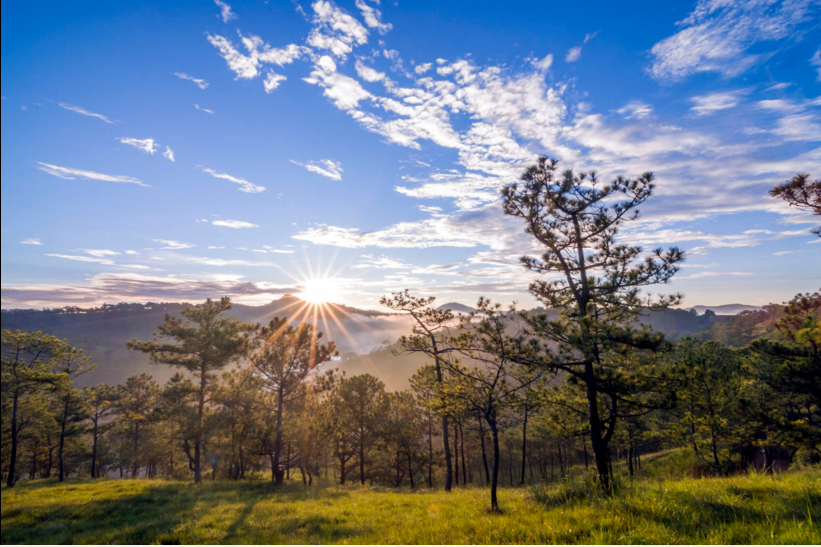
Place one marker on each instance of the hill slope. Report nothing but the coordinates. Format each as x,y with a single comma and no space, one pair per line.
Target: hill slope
364,338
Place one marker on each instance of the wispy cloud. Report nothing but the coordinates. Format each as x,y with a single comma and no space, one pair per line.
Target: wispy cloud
79,258
382,262
225,11
168,154
573,54
815,61
234,224
202,84
700,275
327,168
334,30
717,34
31,241
130,287
635,109
71,174
714,102
248,67
373,18
100,253
198,107
171,244
245,186
146,145
84,112
272,81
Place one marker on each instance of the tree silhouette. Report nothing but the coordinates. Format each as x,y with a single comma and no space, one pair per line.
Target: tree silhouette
594,282
430,325
801,193
284,360
203,342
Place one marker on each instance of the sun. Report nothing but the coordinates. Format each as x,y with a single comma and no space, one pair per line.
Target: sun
320,291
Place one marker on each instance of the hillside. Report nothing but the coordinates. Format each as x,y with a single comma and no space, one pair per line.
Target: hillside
365,339
103,332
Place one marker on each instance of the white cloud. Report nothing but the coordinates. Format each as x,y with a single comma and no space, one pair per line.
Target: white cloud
202,84
327,168
486,227
716,36
816,62
84,112
174,245
77,258
248,67
31,241
146,145
100,253
373,18
225,11
71,174
343,90
422,68
544,64
368,74
382,262
234,224
799,127
245,186
797,122
714,102
573,54
203,109
335,30
168,154
700,275
635,109
244,66
272,81
136,287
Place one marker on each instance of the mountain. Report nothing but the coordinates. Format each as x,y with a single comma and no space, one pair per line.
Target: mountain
726,309
102,332
456,307
366,340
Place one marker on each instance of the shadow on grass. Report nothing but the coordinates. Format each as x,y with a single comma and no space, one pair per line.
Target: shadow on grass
155,514
697,516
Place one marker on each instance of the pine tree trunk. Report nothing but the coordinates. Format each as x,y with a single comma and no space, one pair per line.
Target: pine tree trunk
445,431
60,461
524,447
94,451
11,479
494,479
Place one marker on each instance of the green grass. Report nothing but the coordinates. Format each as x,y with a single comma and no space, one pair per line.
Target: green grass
759,509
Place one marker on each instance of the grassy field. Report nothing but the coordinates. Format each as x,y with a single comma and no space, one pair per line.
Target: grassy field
759,509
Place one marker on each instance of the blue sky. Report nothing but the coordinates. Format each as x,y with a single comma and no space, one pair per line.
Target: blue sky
174,152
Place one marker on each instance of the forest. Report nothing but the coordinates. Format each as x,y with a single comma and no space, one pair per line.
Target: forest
507,398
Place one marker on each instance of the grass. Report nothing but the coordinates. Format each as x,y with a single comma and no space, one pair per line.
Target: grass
757,509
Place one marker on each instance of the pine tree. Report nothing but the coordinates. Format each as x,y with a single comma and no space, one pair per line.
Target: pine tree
597,283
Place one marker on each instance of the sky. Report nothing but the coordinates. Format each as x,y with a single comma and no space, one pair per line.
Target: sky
345,150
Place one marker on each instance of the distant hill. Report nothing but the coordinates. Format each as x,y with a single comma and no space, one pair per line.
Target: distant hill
366,339
725,309
456,307
102,332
